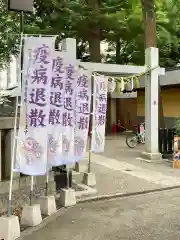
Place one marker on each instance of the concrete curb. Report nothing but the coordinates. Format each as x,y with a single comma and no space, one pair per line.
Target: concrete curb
61,211
124,195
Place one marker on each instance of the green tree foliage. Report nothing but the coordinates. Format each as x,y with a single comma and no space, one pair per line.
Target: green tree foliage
118,22
9,26
168,31
131,48
177,127
89,20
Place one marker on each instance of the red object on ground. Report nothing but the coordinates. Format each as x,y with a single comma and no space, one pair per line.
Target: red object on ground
114,128
119,126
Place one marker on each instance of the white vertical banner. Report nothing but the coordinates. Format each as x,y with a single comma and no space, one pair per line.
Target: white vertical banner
68,114
31,152
56,109
99,113
83,101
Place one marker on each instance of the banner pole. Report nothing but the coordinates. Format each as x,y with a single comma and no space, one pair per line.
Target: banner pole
14,137
67,169
31,190
47,182
90,152
91,125
47,176
12,161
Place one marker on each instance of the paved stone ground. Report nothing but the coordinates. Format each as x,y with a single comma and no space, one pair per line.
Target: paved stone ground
115,148
111,182
119,171
151,216
146,217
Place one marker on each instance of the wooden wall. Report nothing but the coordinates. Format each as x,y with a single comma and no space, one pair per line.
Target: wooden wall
170,100
126,109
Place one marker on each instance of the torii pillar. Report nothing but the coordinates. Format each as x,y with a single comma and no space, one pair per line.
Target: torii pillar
151,153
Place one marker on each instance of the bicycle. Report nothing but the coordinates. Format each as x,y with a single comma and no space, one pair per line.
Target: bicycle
135,138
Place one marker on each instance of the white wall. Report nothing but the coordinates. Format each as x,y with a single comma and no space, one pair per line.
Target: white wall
8,77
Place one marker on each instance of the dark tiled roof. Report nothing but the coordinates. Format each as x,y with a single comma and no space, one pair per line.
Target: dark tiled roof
171,77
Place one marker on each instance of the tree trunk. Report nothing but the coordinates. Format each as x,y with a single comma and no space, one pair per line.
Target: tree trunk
94,38
149,19
118,48
95,46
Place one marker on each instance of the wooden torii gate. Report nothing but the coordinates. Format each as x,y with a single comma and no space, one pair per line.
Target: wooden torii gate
151,153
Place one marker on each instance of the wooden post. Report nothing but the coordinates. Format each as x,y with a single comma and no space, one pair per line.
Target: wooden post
112,112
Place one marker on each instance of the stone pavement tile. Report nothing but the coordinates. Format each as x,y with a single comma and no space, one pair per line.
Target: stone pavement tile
148,217
109,181
118,172
115,148
162,177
